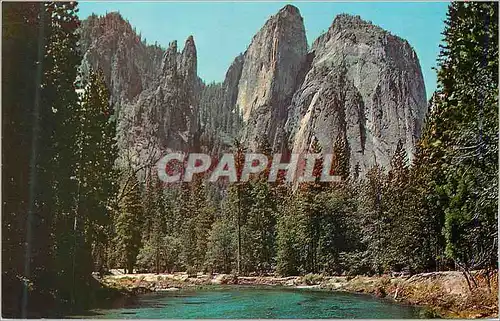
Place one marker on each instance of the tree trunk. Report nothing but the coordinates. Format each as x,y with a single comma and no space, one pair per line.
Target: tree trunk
488,279
157,261
238,260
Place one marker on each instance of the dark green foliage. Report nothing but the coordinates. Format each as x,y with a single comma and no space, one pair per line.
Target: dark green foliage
291,234
157,210
220,121
20,39
463,131
400,232
221,255
337,234
65,212
60,65
372,217
196,222
305,210
128,227
95,171
260,228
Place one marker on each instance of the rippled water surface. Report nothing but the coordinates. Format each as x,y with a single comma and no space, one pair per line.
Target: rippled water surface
243,302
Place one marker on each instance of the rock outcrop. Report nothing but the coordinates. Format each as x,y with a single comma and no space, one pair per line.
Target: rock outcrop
268,79
155,91
221,120
165,116
365,87
129,65
357,84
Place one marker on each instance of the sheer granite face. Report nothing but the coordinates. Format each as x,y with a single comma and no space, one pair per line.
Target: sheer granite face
357,83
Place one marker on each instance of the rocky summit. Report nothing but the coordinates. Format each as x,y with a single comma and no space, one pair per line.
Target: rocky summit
358,86
268,79
363,86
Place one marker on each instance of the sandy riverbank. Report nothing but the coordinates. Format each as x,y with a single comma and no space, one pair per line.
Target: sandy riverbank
445,294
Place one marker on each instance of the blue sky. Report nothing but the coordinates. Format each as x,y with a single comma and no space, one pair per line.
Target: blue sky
222,30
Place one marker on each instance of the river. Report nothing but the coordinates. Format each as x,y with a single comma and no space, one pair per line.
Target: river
255,302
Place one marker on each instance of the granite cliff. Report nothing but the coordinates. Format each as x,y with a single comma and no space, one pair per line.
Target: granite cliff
128,63
357,84
364,86
165,115
269,74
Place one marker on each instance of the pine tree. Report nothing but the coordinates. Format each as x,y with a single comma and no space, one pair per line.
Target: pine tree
291,256
196,225
340,163
188,211
95,171
427,206
305,209
239,192
395,210
50,57
371,216
221,247
128,227
157,211
260,226
337,233
260,221
203,224
55,242
463,131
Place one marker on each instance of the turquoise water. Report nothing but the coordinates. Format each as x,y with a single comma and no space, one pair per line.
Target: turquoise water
232,302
